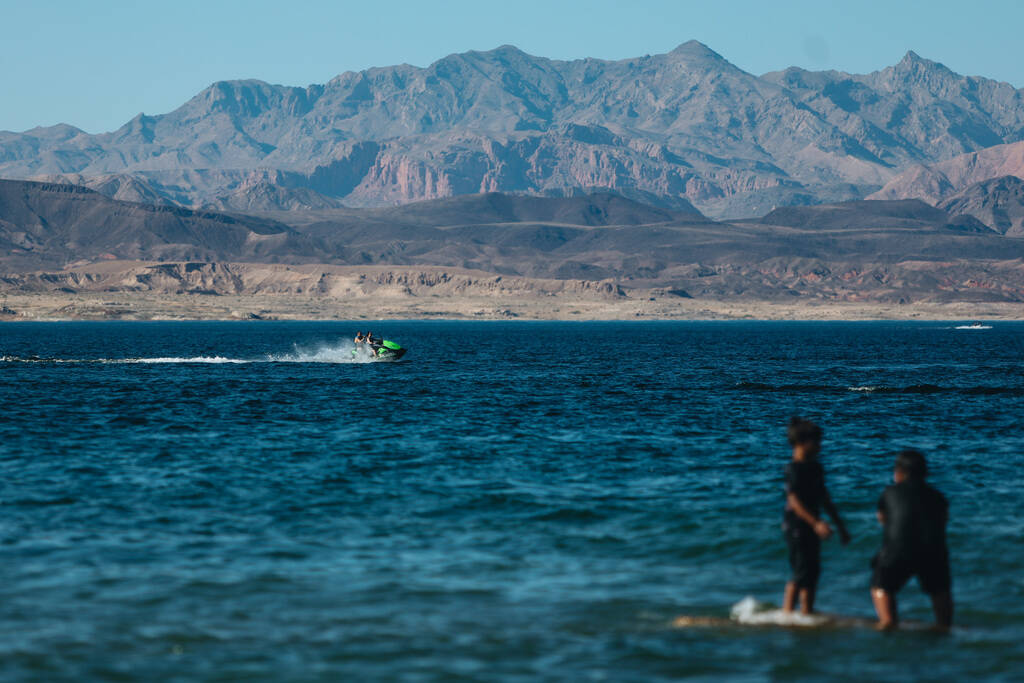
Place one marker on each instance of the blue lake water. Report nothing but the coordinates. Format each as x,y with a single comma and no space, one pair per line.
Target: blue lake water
516,501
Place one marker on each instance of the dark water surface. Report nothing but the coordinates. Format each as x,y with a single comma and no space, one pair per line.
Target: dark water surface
518,501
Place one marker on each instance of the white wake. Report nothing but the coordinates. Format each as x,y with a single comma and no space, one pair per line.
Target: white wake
172,359
343,352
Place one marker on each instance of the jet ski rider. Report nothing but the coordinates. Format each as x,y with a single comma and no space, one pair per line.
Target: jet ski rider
375,343
371,343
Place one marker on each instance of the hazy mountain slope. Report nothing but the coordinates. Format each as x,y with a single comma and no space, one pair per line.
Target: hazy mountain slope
268,191
934,182
125,187
998,203
682,125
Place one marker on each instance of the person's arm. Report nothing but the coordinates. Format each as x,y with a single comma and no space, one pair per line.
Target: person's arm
880,512
820,526
833,512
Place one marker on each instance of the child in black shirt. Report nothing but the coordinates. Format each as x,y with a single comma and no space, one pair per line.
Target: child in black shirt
804,529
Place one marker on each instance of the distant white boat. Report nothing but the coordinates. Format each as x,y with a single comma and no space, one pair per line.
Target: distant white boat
974,326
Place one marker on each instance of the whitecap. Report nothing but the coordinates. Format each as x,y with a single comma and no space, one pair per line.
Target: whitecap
754,613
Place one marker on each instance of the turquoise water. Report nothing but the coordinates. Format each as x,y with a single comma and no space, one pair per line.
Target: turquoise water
516,501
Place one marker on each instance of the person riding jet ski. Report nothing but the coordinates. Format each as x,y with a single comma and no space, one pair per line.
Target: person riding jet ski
376,347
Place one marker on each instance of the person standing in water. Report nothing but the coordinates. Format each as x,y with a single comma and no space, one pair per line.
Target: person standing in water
913,517
806,495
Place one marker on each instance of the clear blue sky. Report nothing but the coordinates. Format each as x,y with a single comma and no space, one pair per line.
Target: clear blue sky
96,64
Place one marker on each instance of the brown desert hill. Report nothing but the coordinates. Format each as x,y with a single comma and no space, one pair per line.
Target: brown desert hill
497,239
45,224
658,254
597,209
859,251
935,182
871,214
998,203
512,234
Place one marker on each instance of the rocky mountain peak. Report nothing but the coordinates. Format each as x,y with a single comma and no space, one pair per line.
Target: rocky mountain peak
695,48
508,51
914,65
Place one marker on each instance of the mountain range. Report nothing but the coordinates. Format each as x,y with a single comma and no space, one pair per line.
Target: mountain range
675,130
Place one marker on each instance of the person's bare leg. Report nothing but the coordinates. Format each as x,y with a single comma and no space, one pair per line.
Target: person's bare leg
807,600
885,607
789,597
942,605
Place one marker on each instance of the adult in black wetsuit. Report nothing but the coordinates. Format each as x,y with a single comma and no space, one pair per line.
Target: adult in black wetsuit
802,525
913,517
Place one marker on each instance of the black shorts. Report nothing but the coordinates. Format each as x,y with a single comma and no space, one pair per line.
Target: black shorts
804,556
931,570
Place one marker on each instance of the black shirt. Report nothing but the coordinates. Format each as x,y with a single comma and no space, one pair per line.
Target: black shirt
807,480
915,520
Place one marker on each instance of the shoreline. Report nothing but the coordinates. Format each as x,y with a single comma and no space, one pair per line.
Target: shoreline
98,306
139,290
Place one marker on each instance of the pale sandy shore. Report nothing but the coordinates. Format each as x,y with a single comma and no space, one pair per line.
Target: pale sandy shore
143,306
128,290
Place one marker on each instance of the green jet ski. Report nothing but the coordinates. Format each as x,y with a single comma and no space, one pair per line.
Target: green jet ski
387,350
